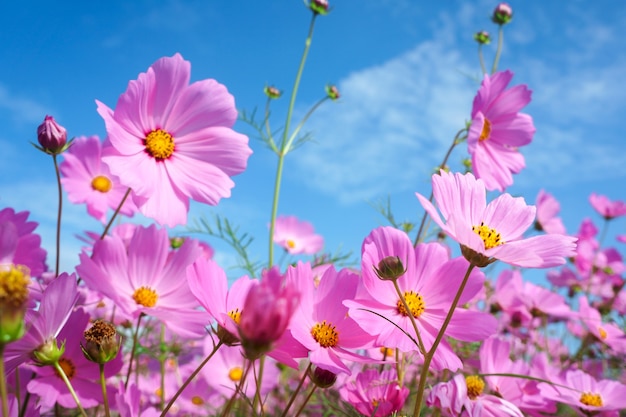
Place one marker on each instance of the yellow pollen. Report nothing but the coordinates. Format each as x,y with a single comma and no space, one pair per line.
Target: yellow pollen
592,399
325,334
69,369
158,392
290,243
489,236
602,332
14,287
414,301
102,184
145,296
195,400
235,315
486,132
159,144
387,352
235,374
475,386
375,402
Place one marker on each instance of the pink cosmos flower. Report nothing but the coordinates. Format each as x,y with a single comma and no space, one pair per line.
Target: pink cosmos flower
547,210
87,179
498,129
429,285
607,333
375,394
146,277
297,237
494,231
322,323
173,141
607,208
18,244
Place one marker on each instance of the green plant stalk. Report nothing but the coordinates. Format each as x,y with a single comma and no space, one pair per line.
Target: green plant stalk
283,147
3,383
231,401
480,58
431,353
117,210
297,391
306,400
496,59
259,378
162,358
189,379
61,372
103,384
132,351
60,210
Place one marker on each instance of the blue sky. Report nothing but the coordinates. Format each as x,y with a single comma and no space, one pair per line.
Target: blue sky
407,72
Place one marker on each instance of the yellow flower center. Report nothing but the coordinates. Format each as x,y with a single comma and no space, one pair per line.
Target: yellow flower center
475,386
102,184
290,243
145,296
195,400
592,399
14,287
235,315
325,334
486,132
158,392
159,144
603,334
414,301
235,374
386,352
375,402
69,369
490,236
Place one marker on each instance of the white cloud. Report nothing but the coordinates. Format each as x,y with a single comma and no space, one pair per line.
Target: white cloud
21,109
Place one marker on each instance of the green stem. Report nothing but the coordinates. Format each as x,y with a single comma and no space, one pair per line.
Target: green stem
189,379
259,378
117,210
132,352
297,391
431,353
60,210
480,58
496,59
103,384
162,359
3,383
270,137
238,390
283,148
61,373
306,400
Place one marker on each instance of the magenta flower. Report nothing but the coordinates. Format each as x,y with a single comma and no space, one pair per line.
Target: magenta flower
547,211
375,394
490,232
429,285
498,130
297,237
173,141
87,179
322,323
146,277
607,208
18,244
51,136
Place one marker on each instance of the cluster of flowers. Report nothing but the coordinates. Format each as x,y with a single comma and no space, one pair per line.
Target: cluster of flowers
149,325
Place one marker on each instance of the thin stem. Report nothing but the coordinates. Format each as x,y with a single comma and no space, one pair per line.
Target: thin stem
295,132
132,351
420,346
61,373
231,401
481,59
496,59
431,353
297,391
259,378
283,148
189,379
103,384
60,210
270,138
26,397
117,210
162,358
3,383
306,400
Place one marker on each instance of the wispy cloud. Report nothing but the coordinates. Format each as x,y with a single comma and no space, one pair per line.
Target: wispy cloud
21,109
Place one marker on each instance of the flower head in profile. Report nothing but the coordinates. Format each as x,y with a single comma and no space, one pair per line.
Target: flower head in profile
173,141
87,179
297,237
607,208
498,129
494,231
52,137
547,214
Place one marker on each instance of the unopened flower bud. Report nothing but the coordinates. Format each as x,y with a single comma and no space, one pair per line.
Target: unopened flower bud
332,92
390,268
476,258
323,378
227,337
502,14
102,342
177,242
14,282
482,37
49,353
272,92
318,6
52,137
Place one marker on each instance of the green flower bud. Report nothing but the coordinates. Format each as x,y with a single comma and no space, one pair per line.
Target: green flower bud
390,268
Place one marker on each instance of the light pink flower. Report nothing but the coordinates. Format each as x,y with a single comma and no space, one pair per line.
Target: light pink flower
494,231
18,244
375,394
297,237
547,211
607,208
607,333
498,129
173,141
86,179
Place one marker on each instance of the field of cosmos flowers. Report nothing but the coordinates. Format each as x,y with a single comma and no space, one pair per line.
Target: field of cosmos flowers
148,323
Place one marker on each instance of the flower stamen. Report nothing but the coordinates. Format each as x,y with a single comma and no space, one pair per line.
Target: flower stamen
235,374
414,301
490,236
592,399
145,296
102,184
159,144
235,315
486,131
475,386
69,369
325,334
